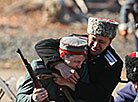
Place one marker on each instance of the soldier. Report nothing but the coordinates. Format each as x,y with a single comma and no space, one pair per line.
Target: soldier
104,65
130,6
73,52
129,92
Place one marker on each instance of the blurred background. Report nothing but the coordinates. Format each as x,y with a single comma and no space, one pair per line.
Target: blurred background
24,22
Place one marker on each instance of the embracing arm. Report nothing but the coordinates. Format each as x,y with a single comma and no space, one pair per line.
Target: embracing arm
48,51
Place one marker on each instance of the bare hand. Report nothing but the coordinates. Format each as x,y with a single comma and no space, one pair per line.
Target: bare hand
39,94
68,73
61,81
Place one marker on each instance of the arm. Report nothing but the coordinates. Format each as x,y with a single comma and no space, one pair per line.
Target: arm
48,50
126,94
25,91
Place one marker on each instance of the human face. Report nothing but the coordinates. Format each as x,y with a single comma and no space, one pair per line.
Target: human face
74,61
98,43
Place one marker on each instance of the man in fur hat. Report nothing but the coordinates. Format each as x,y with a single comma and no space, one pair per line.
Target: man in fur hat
129,91
104,64
73,51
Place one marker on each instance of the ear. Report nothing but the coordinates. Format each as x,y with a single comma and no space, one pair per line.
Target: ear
62,55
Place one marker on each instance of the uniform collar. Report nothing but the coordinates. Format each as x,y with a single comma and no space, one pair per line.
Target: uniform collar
99,55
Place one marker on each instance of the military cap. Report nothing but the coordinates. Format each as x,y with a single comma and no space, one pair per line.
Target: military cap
73,45
131,64
102,27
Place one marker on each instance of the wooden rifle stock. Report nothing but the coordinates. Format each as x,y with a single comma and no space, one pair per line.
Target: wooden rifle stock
36,82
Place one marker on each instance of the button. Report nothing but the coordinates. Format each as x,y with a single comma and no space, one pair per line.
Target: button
94,62
105,67
98,56
60,89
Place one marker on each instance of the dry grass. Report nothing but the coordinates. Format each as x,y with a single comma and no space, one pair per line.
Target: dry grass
4,3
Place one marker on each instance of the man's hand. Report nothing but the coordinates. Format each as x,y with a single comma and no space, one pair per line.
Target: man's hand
67,72
61,81
39,94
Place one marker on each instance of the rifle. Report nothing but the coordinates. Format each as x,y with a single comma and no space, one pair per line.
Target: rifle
36,82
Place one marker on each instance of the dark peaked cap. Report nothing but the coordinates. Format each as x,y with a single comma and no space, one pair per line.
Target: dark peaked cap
73,45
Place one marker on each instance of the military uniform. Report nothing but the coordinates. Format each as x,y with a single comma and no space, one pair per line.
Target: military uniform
104,72
70,46
104,69
44,75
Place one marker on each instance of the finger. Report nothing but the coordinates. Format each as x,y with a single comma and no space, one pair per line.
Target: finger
43,93
38,90
44,97
74,78
73,81
76,75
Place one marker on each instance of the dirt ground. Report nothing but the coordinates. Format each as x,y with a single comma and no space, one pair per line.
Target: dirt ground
8,74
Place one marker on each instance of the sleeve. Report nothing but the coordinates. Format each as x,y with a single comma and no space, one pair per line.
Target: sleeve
126,94
125,10
47,50
101,90
25,91
136,99
83,73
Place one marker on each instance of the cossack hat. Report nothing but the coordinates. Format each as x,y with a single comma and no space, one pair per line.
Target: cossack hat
73,45
131,63
102,27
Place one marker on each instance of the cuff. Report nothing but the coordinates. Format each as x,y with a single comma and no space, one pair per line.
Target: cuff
51,65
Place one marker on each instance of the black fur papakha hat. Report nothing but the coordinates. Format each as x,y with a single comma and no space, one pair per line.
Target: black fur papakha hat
131,64
102,27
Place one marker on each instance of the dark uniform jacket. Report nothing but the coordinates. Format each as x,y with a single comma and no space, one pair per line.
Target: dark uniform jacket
104,70
55,92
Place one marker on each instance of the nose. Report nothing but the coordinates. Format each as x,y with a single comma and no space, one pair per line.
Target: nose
95,44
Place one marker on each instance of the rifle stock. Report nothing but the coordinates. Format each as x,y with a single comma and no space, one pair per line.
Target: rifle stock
36,82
